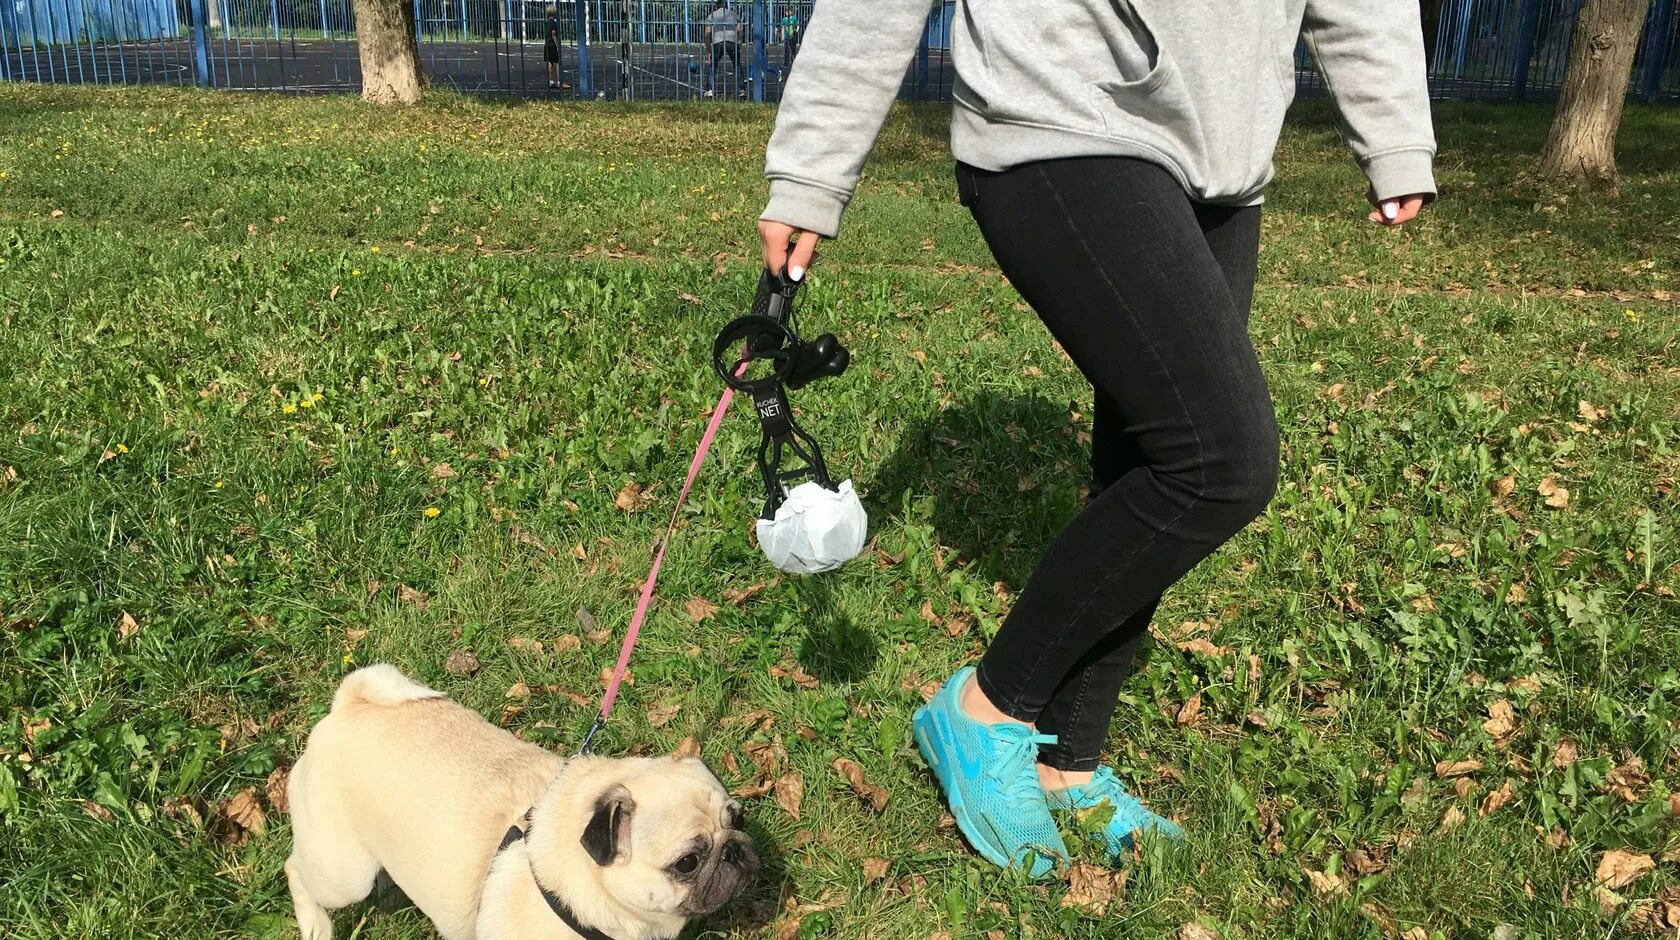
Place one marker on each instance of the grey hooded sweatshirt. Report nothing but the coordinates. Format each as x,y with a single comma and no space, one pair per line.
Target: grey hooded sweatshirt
1196,86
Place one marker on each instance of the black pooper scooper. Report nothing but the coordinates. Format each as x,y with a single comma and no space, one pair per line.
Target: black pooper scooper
803,528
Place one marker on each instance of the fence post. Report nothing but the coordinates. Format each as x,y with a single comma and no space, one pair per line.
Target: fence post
582,16
922,57
201,41
1656,47
756,73
1525,49
274,17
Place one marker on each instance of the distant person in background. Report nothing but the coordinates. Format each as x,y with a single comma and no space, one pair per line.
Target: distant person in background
790,34
551,48
721,30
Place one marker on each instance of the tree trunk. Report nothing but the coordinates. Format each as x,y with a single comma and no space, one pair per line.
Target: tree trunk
391,72
1581,148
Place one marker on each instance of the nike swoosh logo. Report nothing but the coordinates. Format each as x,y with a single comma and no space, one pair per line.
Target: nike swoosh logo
970,764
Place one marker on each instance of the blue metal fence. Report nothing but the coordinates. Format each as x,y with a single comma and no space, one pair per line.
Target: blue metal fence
657,49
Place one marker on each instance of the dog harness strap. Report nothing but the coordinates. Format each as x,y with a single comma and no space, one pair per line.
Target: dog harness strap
560,908
568,917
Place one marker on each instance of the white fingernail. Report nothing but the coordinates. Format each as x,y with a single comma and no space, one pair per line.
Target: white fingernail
1390,210
796,273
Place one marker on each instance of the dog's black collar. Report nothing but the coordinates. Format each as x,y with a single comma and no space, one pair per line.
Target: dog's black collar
560,908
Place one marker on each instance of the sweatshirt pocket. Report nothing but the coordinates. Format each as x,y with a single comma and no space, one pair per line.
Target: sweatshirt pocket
1035,62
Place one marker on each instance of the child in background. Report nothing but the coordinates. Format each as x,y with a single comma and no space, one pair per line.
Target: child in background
551,47
790,35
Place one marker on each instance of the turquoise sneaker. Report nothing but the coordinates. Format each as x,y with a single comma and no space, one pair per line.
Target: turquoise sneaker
1130,816
990,777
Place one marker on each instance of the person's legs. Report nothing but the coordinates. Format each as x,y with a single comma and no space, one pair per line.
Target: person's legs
1093,689
1111,255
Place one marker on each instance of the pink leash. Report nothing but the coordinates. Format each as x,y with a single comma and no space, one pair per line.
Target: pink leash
653,574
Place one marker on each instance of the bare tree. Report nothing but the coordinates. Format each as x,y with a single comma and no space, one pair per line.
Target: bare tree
1581,148
391,70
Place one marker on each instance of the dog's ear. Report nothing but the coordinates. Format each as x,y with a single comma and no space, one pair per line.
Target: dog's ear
609,828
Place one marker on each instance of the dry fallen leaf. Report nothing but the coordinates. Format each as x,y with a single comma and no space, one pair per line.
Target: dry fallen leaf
1415,933
245,812
1363,863
1628,780
567,643
1203,646
790,791
1589,413
1565,754
526,645
275,788
1092,889
1196,932
687,747
791,670
1501,721
1191,710
874,869
461,663
128,626
607,675
1449,769
740,596
519,691
1450,820
96,811
753,791
1618,868
698,608
1504,486
1325,884
875,796
1556,496
408,595
632,498
660,717
443,471
1493,801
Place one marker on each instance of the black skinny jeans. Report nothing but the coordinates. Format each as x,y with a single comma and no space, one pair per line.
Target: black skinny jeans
1149,293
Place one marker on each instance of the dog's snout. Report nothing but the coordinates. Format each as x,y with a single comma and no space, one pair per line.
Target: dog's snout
732,854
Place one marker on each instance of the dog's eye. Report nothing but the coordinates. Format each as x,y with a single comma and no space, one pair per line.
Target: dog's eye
687,864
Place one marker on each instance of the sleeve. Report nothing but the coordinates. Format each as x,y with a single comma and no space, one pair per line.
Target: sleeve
1371,55
852,61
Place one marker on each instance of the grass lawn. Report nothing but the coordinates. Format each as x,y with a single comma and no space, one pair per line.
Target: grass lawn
289,385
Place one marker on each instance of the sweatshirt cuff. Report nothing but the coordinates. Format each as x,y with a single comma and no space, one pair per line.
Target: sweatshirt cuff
1402,173
805,207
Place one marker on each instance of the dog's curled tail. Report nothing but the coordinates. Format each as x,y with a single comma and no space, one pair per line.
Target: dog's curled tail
379,684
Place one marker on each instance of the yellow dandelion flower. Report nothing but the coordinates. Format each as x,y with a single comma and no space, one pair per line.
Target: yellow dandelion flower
1631,315
307,403
317,397
395,451
288,408
122,448
374,249
218,484
432,512
355,272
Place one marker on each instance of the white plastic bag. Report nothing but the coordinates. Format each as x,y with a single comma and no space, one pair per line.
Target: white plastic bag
815,529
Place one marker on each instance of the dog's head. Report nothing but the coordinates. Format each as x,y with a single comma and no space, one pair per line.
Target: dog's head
661,835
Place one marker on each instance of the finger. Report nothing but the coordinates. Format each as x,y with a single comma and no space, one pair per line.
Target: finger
800,261
774,237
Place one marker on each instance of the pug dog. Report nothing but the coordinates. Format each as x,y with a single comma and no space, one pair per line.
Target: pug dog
495,838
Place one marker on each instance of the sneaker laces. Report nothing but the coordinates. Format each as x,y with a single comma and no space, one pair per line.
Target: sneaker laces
1016,765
